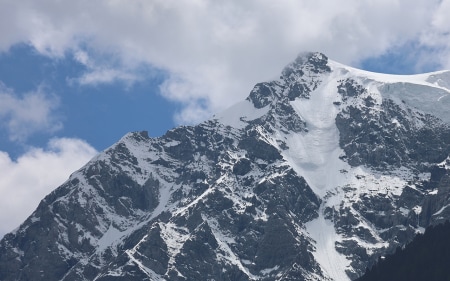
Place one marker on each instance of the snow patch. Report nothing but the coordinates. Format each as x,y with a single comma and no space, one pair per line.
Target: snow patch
174,237
269,270
332,263
109,238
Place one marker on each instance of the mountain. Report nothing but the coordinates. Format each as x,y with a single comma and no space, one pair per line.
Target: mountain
312,177
425,258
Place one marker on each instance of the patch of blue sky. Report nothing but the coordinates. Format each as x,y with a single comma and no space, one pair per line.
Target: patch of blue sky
99,113
409,58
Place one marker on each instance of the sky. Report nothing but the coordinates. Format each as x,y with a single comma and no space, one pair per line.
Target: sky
75,76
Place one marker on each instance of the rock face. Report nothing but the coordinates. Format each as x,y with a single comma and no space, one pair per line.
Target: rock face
312,177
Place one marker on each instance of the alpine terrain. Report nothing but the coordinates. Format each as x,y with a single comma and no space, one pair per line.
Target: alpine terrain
313,177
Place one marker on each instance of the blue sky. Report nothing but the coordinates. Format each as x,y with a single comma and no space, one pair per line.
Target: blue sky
100,114
75,76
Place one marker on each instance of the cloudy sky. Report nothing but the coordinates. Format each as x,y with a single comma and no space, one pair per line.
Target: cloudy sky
75,76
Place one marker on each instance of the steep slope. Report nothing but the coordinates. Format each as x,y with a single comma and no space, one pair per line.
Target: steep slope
312,177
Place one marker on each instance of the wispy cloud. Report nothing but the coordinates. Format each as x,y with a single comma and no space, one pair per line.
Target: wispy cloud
22,116
45,169
101,72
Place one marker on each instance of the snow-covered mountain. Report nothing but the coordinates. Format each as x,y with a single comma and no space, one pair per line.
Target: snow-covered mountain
312,177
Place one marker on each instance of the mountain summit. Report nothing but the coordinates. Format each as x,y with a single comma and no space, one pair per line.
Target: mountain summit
312,177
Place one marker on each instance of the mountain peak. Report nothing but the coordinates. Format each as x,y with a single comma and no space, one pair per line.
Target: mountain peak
312,177
306,63
297,79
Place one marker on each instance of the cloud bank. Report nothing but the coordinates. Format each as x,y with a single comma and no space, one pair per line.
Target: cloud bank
27,180
215,51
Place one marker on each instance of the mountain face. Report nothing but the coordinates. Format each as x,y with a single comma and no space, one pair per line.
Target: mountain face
312,177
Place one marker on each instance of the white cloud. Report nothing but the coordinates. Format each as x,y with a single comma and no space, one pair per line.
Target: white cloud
25,181
101,72
441,20
215,51
31,113
105,75
438,36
